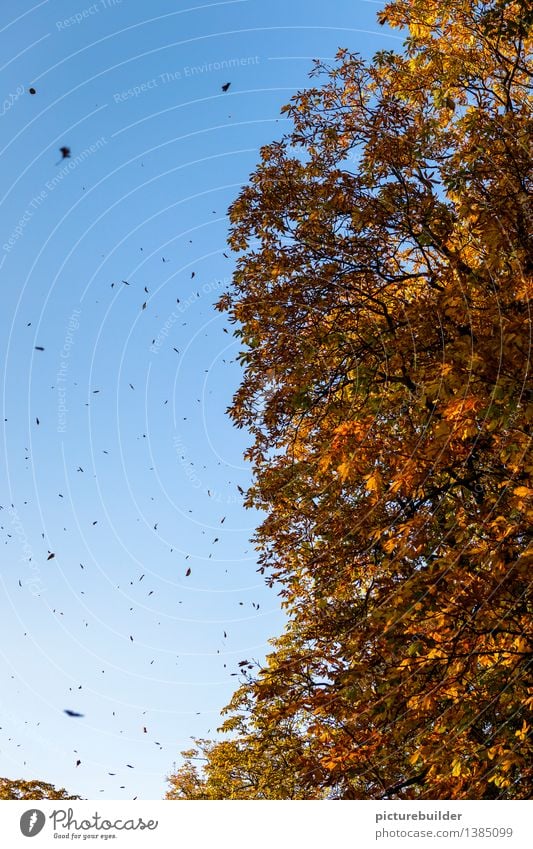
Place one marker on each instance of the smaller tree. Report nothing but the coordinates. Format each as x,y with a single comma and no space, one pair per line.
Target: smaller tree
260,761
21,789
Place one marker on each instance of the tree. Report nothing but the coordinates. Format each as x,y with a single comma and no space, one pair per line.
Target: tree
382,302
249,767
21,789
253,764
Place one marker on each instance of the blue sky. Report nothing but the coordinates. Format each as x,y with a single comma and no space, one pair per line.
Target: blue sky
134,466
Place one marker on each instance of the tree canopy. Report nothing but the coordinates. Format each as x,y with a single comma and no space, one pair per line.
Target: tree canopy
22,789
381,299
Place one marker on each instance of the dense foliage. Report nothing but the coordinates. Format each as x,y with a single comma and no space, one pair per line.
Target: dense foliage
21,789
382,301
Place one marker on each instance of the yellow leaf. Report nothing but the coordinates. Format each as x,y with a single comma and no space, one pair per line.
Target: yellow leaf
374,482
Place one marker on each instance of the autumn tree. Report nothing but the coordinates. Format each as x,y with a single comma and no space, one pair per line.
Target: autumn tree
381,299
22,789
252,764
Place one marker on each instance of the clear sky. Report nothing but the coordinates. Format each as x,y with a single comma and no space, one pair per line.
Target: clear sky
117,454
